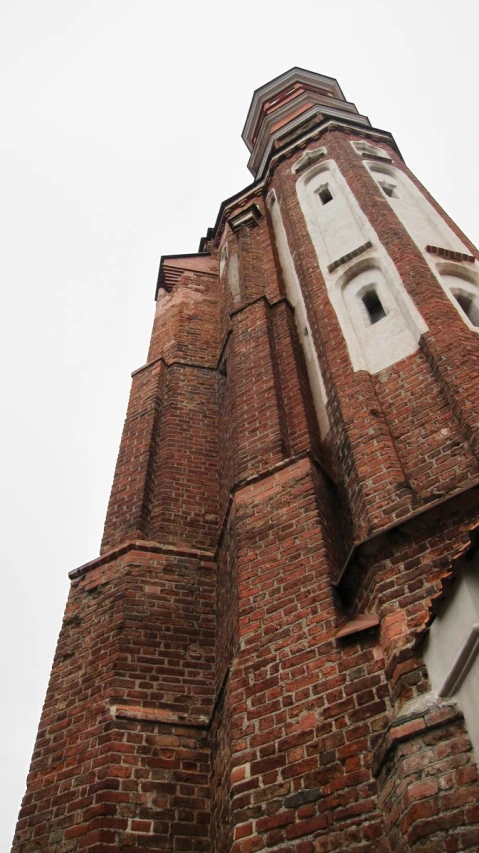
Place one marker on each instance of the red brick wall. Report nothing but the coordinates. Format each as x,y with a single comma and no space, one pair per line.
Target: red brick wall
292,762
199,699
115,764
436,809
429,441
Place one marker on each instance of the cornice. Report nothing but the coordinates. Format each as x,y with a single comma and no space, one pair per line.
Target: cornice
276,87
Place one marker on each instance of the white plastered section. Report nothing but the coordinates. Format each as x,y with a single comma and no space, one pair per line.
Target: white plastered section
427,227
234,278
296,298
452,646
391,338
229,265
338,228
420,219
223,258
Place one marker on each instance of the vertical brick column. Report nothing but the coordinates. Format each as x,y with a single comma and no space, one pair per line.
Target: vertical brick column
259,271
185,505
259,431
428,437
302,710
132,494
298,408
167,461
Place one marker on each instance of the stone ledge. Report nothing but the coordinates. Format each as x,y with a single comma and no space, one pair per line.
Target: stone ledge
160,360
249,217
360,622
137,713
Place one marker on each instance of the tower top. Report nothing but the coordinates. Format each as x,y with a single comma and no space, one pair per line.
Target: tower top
288,102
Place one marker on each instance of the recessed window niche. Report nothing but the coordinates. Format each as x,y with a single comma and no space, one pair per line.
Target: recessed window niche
378,318
234,278
334,221
464,288
468,305
422,221
377,326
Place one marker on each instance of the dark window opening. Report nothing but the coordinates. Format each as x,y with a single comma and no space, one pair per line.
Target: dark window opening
467,304
222,380
388,190
373,306
325,195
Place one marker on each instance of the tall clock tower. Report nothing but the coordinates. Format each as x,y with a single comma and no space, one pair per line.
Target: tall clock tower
276,648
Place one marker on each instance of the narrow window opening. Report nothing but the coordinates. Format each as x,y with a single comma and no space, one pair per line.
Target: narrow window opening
373,306
325,195
470,309
389,190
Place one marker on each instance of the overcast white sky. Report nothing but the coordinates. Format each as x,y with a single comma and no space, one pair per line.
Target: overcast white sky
120,137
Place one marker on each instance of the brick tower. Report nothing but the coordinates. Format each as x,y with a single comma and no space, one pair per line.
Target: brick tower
275,650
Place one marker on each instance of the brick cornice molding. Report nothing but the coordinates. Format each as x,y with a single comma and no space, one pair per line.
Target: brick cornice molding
143,547
146,546
318,132
160,360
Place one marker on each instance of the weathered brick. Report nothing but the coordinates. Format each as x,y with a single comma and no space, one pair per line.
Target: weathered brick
199,699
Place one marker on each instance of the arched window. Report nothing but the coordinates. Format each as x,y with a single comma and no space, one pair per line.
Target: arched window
463,287
379,320
468,304
379,332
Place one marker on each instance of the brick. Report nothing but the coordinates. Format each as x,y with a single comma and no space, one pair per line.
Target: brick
199,699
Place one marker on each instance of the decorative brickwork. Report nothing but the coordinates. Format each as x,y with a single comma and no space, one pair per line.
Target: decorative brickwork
345,258
241,668
449,254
